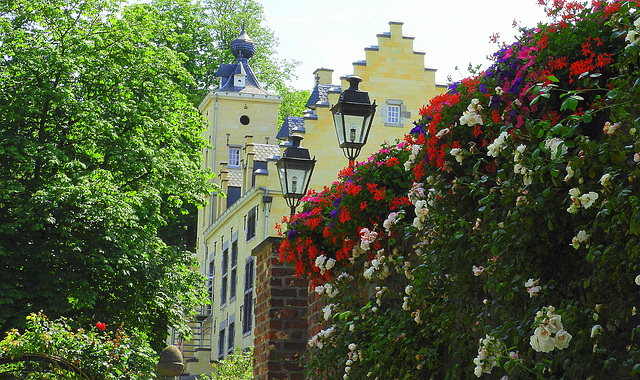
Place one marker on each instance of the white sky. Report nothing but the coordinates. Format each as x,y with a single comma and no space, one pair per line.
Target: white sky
334,33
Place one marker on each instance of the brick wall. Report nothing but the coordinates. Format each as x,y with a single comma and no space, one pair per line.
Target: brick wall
280,316
315,319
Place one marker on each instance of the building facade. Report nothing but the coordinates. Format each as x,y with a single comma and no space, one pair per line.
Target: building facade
234,231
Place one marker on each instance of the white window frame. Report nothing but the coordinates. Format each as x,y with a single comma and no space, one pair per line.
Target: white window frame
234,157
393,114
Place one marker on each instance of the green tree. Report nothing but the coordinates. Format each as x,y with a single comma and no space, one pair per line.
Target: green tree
202,31
293,103
98,150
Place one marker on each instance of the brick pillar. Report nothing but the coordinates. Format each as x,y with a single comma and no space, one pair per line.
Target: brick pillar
280,316
315,319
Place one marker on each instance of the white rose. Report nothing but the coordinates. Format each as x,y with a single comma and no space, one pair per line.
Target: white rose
555,324
562,339
588,199
575,192
477,271
596,330
542,333
408,289
535,343
320,261
368,273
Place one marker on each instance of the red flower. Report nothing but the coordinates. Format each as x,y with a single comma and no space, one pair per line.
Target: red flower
393,161
580,67
559,63
344,216
603,60
101,326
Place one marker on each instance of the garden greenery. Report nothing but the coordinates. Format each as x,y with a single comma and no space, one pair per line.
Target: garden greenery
501,237
236,366
97,352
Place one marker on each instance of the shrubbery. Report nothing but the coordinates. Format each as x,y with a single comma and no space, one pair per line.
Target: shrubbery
97,353
501,237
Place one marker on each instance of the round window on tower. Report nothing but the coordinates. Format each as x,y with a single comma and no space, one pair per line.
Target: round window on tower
244,120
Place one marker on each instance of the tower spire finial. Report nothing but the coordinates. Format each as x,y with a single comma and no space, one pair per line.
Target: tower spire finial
243,46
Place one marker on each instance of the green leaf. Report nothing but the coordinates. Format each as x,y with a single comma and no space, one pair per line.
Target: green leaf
569,103
535,154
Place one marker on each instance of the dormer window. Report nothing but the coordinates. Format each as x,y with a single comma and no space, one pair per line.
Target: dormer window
239,80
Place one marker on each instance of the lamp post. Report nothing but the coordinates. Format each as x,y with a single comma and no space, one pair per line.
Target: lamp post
352,116
294,170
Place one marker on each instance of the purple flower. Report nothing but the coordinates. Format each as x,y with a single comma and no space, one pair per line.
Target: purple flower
291,234
417,130
495,102
453,87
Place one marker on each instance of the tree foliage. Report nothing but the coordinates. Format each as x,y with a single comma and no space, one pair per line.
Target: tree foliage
202,31
293,103
501,237
98,150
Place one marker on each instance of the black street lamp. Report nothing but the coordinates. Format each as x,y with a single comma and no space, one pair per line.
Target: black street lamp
294,170
352,116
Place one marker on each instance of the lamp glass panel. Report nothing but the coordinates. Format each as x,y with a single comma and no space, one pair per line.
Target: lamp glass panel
282,175
356,129
297,178
337,122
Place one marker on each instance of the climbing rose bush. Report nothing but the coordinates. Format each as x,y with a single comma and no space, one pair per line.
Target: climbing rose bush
516,190
99,352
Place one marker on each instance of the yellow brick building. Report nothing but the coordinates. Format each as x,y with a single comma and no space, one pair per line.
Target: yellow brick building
244,136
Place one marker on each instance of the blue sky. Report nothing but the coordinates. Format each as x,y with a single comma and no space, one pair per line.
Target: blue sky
334,33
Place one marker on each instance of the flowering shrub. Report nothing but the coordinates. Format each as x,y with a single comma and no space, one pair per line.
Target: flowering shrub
236,366
327,235
516,190
98,354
